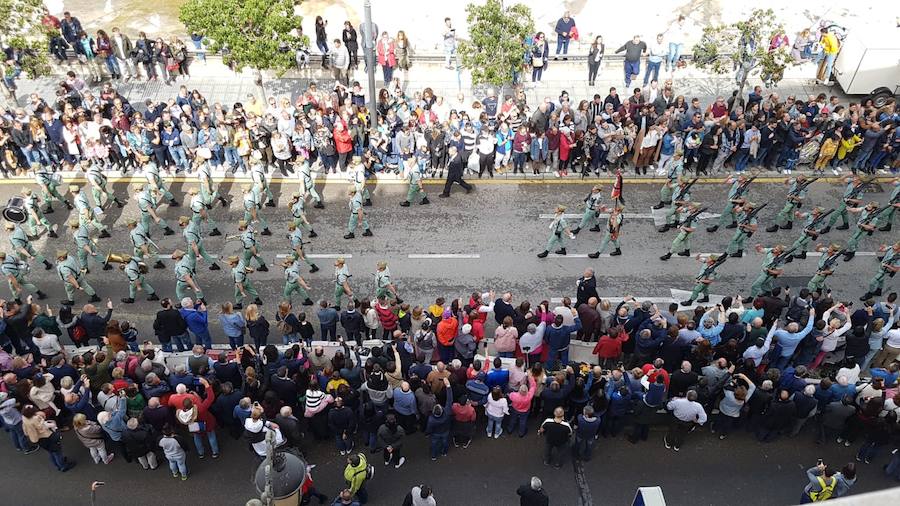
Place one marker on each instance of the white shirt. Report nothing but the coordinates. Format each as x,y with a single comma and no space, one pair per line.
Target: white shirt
687,411
893,338
657,51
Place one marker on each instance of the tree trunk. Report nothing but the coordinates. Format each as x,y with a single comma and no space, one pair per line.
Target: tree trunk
743,84
258,80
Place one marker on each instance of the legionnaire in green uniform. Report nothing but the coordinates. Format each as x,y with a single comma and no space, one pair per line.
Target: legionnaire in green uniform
250,246
147,204
736,199
22,247
785,218
341,281
888,266
49,184
294,283
611,234
16,272
36,214
558,229
200,213
591,211
151,172
864,225
194,240
357,215
208,191
825,268
682,242
384,286
850,198
185,272
141,243
72,278
242,285
308,184
673,175
298,253
86,215
886,218
298,213
85,247
771,269
416,187
261,184
812,228
747,225
705,278
252,208
357,175
680,197
99,185
135,270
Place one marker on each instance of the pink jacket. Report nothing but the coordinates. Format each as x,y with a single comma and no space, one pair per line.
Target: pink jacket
386,53
505,339
522,403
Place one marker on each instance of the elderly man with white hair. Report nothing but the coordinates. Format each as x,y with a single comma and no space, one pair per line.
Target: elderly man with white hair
533,494
114,425
805,404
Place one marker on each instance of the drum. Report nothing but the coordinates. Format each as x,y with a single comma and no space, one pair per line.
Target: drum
15,210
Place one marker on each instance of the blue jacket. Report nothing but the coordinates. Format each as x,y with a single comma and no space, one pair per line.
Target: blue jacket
656,394
116,424
586,429
618,403
233,324
789,341
187,380
498,378
197,321
558,337
539,148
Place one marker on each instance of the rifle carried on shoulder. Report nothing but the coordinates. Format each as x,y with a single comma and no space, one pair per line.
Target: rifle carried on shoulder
711,268
802,186
811,229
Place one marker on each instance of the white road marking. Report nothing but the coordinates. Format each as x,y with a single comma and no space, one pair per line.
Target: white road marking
572,255
318,255
169,255
443,255
680,295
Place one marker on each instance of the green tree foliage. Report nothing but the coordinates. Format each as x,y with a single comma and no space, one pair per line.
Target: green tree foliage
259,34
21,30
745,43
496,44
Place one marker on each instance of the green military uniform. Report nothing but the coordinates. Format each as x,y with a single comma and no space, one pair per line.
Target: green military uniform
785,217
133,271
198,209
702,288
679,197
358,178
18,270
251,249
890,258
297,252
673,174
251,209
610,235
185,267
86,215
382,282
734,193
414,191
99,187
682,241
298,212
208,191
292,283
242,280
36,215
81,236
19,241
49,184
765,280
309,187
261,184
68,267
557,233
191,234
864,219
806,236
146,202
841,210
591,210
341,275
151,171
356,203
817,282
740,235
885,218
139,239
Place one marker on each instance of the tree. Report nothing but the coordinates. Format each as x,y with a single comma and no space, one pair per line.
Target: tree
259,34
26,38
496,44
743,45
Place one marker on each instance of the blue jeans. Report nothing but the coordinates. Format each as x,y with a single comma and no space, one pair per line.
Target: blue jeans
562,43
893,467
781,363
112,65
584,448
440,443
343,444
829,64
290,338
328,330
236,341
791,158
182,342
178,466
203,339
18,436
58,459
213,442
494,425
233,159
868,451
632,68
198,47
557,356
674,54
652,68
536,73
179,156
518,422
388,72
743,157
39,155
861,159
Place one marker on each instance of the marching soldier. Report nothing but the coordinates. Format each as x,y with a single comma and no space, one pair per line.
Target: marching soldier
208,191
308,184
357,215
558,228
147,204
888,266
194,240
611,234
358,178
99,185
825,267
736,199
86,215
864,225
200,213
151,171
812,229
261,184
135,270
49,184
251,210
84,247
185,270
16,271
293,282
673,175
22,247
416,187
242,285
591,211
747,225
854,186
72,278
140,241
682,242
785,218
298,211
296,237
705,278
384,287
341,281
771,269
680,197
251,246
886,218
36,214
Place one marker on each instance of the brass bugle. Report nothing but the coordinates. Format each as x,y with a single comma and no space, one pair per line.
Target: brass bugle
118,258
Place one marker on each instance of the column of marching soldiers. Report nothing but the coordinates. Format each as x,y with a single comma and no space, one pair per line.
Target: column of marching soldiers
740,214
73,269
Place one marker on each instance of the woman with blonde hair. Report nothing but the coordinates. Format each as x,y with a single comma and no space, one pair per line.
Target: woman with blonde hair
402,52
90,434
287,323
257,325
44,433
233,325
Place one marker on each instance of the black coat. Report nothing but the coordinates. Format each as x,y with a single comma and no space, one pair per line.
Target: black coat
140,441
168,323
290,429
587,288
780,414
286,390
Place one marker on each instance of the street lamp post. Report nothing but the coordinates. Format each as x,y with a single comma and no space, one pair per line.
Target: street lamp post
369,36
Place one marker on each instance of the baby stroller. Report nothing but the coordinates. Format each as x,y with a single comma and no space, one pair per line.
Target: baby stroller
810,150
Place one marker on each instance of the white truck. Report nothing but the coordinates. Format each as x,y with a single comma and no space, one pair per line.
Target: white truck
869,64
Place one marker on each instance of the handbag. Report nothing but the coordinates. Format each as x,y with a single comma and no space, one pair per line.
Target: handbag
537,61
195,427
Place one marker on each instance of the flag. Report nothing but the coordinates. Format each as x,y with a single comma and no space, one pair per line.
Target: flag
617,188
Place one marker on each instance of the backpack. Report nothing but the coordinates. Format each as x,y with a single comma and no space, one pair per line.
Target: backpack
78,334
826,492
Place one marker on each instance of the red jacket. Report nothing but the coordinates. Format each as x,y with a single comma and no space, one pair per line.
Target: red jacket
387,317
386,53
176,402
343,143
564,147
610,347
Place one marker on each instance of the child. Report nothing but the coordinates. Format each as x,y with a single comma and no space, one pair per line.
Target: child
174,449
130,334
539,152
826,153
